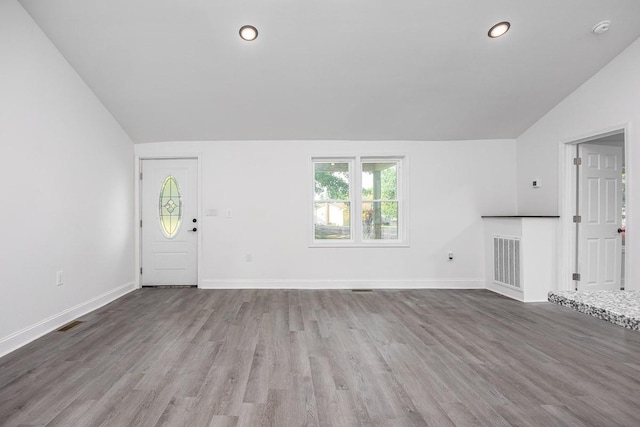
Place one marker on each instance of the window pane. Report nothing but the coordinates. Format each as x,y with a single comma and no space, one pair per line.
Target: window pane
379,181
170,206
331,220
379,220
331,181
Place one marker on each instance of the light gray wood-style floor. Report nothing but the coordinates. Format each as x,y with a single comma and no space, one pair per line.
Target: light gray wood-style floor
325,358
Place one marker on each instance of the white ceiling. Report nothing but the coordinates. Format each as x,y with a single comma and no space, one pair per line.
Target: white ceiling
173,70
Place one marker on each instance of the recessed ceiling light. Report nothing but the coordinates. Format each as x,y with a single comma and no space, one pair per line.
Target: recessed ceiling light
601,27
248,33
499,29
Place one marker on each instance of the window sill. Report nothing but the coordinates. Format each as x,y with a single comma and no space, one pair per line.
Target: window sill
359,245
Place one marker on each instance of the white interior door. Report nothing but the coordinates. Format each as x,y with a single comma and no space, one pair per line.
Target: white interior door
600,206
169,205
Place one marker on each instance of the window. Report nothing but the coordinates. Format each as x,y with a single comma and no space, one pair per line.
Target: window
170,207
356,201
332,201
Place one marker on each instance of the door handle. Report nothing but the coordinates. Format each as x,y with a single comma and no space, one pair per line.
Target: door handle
621,230
193,230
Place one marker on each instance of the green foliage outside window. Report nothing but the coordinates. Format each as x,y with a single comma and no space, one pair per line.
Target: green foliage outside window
332,181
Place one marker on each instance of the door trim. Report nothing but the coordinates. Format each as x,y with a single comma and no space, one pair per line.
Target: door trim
567,181
137,198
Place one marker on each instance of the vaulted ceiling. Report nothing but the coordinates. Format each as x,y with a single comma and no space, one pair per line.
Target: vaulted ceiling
171,70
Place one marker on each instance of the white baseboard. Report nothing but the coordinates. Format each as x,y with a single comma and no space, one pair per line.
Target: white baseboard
505,291
35,331
344,284
511,293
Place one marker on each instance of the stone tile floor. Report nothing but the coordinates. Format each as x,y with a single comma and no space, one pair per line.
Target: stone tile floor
619,307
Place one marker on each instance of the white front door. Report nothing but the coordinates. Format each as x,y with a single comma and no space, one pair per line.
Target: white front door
169,207
600,206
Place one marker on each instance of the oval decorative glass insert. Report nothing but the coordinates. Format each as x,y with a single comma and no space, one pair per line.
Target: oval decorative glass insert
170,207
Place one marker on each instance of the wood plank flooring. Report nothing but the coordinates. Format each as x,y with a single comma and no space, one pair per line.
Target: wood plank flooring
194,357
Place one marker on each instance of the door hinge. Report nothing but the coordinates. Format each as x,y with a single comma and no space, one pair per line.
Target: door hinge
141,271
576,161
140,176
575,276
140,223
576,218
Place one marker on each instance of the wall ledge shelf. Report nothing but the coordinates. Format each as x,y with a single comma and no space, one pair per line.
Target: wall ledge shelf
520,216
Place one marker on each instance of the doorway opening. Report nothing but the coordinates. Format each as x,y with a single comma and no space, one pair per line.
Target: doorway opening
600,213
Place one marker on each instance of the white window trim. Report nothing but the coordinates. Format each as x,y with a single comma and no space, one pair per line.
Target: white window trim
355,199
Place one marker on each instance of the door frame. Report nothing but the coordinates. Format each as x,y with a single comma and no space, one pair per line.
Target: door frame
567,201
138,208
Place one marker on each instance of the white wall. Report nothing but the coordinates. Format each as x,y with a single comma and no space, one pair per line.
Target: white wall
67,189
267,184
610,99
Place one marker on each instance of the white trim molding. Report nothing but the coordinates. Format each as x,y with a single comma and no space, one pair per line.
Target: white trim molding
137,193
474,283
566,240
31,333
355,171
512,293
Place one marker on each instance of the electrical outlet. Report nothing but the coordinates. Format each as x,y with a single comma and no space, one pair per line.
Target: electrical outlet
248,257
229,213
450,256
59,278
